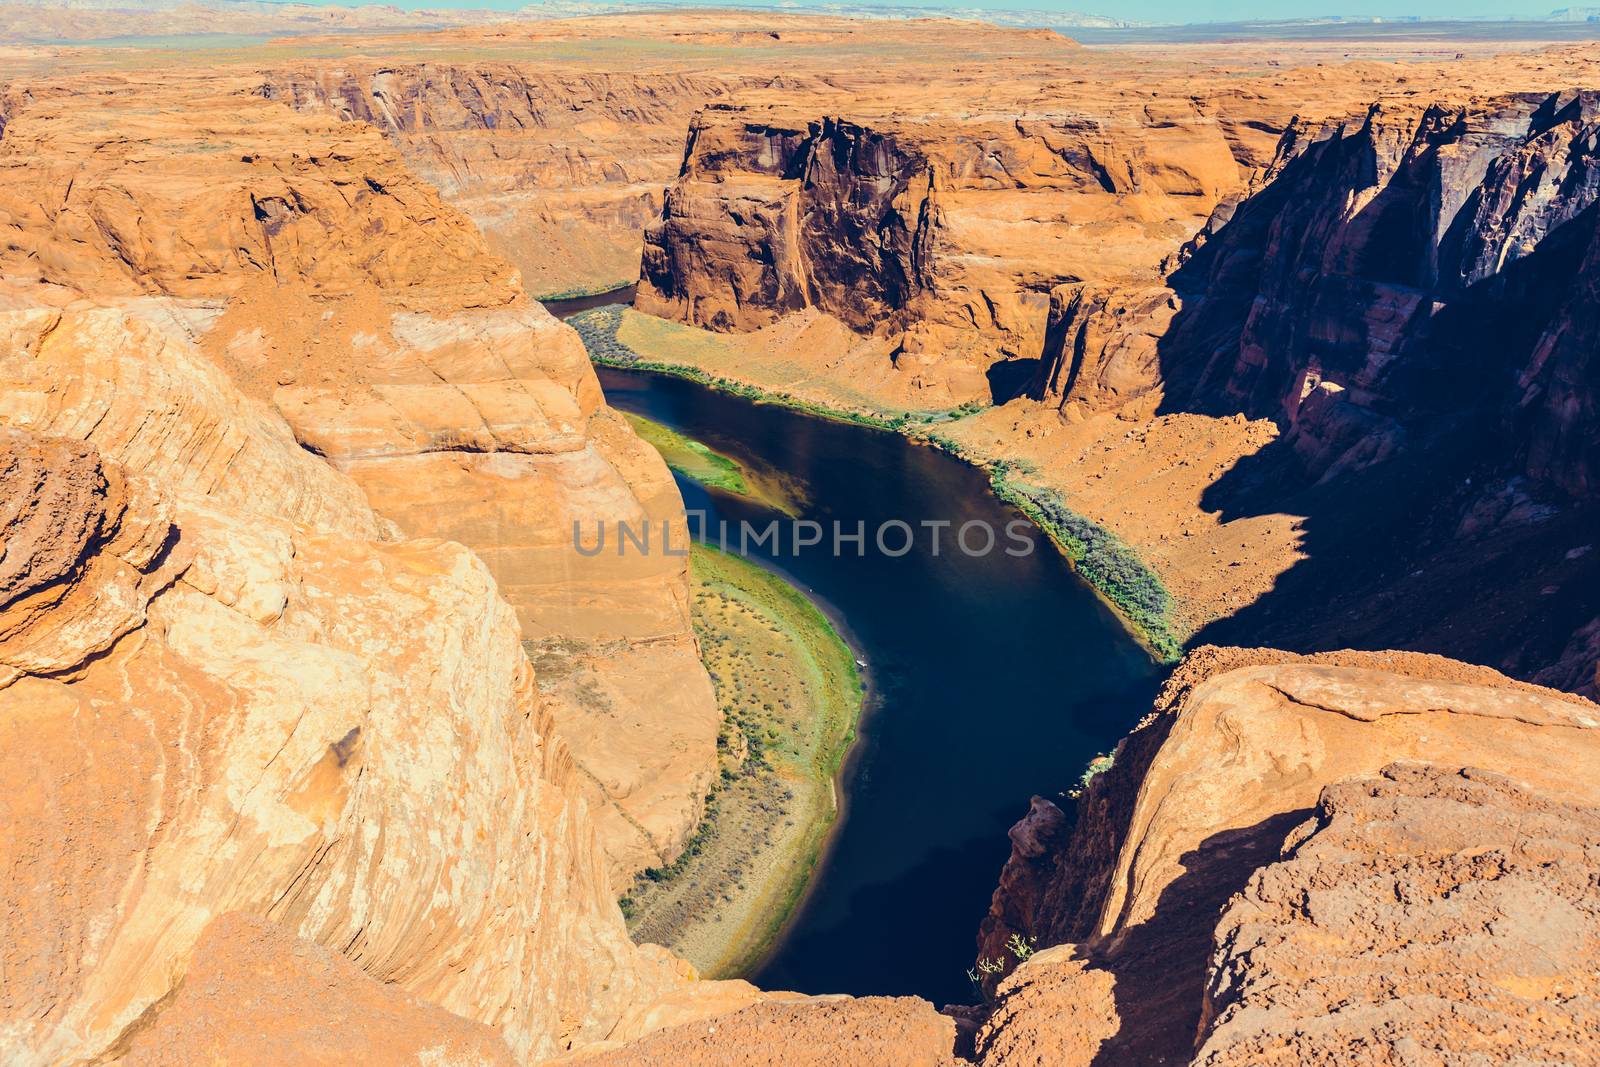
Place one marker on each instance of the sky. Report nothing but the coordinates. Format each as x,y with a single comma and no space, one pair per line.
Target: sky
1168,11
1137,10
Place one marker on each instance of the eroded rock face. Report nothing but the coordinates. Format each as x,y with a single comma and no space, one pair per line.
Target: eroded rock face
336,734
560,169
229,684
1406,294
1422,915
942,235
820,1031
336,290
255,995
1203,794
1381,270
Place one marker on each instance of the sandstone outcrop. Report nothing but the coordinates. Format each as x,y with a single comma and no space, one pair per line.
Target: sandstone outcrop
231,685
1422,914
1407,293
1204,793
219,711
814,1032
1349,293
253,994
329,282
942,237
560,169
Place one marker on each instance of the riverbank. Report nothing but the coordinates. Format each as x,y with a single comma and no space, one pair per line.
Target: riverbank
689,457
701,463
790,696
619,336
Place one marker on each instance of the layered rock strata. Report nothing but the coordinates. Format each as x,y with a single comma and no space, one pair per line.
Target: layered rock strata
215,708
942,238
330,284
1406,294
1125,894
560,170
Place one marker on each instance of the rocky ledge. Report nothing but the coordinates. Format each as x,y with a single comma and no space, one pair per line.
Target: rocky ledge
1309,860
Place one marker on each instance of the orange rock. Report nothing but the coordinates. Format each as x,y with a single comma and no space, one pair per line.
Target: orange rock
256,995
324,279
832,1031
1205,791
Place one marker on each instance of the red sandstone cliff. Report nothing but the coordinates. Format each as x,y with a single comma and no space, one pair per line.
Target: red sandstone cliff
275,745
1185,908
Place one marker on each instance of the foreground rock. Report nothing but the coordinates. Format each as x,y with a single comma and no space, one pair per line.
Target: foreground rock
220,710
817,1032
1203,795
253,994
335,290
233,688
1422,914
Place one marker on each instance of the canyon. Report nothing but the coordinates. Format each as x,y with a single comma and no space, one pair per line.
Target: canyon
291,457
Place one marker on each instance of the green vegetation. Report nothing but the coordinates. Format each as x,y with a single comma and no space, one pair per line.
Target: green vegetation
1097,766
585,290
986,973
1105,560
1108,563
790,695
691,458
598,327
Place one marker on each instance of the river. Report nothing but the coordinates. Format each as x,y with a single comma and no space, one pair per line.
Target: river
992,678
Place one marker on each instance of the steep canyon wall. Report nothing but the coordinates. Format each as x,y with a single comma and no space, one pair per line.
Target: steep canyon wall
259,382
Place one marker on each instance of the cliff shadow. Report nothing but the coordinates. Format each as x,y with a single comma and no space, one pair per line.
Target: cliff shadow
1417,528
1160,965
1011,378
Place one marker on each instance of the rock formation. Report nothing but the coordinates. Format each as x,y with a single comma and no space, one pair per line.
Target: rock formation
234,689
253,994
327,281
815,1032
289,461
1474,888
217,709
560,170
1420,226
943,238
1407,293
1259,404
1198,803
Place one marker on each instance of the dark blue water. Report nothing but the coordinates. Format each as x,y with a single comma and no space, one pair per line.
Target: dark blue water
992,679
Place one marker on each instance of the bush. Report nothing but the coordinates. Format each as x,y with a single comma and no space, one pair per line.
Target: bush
1104,559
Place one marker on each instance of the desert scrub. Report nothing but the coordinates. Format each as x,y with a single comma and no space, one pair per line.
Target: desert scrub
789,692
1106,561
986,973
1097,766
576,292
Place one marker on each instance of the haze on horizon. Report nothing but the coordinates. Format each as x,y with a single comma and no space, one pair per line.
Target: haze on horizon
1148,11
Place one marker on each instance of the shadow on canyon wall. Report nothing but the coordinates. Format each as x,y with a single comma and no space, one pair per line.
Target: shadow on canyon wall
1011,378
1160,964
1435,385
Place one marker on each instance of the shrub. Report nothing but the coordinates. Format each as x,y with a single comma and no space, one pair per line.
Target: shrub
1104,559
